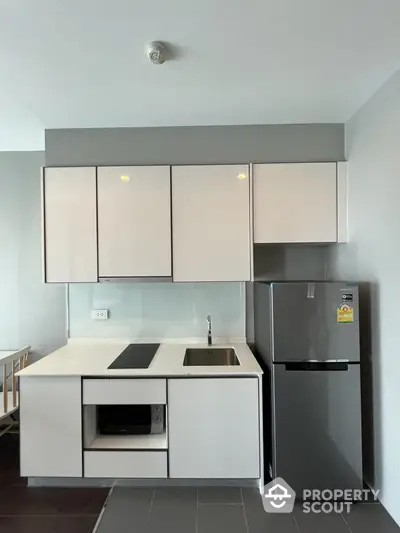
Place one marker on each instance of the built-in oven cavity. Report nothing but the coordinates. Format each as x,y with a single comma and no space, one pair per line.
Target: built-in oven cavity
130,419
125,427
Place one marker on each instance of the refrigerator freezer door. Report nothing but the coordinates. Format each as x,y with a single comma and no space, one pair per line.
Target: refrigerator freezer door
317,427
310,322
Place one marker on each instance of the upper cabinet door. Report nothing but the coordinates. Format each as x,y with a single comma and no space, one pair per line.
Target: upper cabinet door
134,221
211,223
70,240
295,202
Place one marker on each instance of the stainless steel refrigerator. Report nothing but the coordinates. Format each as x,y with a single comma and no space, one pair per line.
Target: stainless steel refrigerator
307,339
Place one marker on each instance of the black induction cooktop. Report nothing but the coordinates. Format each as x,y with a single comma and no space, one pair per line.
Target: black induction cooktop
135,356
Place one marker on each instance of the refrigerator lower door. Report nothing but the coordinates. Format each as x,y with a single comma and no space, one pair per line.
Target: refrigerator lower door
316,422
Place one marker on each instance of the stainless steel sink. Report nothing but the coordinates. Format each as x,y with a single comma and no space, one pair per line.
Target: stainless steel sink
210,357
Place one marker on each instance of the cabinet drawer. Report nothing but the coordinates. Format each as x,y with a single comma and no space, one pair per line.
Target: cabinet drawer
125,464
124,391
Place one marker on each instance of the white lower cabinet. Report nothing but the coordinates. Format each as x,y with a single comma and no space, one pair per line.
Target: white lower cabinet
124,391
50,426
214,428
126,464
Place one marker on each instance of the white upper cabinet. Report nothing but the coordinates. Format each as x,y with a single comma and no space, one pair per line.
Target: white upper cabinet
295,203
70,240
211,223
134,221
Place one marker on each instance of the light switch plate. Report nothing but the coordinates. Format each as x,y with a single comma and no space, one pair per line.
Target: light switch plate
100,314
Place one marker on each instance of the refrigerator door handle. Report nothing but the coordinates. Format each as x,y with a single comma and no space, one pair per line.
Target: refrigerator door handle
311,290
320,366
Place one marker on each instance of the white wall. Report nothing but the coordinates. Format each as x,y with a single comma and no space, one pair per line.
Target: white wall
20,130
373,256
155,311
30,311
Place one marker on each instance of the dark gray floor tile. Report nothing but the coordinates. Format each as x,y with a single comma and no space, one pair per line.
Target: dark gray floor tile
174,510
214,518
370,518
219,495
258,521
19,500
251,496
119,495
127,509
9,462
9,476
270,523
47,524
175,495
319,522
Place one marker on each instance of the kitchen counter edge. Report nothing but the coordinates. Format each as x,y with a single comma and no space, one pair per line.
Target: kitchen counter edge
91,359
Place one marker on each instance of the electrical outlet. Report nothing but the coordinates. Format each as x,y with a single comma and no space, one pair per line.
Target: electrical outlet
100,314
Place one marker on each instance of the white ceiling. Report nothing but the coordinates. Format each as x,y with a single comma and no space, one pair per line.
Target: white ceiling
81,63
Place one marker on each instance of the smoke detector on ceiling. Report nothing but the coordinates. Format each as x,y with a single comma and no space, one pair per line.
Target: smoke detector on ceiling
157,53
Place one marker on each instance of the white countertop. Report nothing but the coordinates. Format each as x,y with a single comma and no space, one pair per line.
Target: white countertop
91,358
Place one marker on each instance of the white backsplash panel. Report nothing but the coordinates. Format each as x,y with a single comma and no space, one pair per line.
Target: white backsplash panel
157,310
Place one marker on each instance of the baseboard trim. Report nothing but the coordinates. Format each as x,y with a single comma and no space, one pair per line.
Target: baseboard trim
99,482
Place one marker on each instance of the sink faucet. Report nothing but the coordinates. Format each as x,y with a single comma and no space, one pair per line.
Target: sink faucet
209,335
